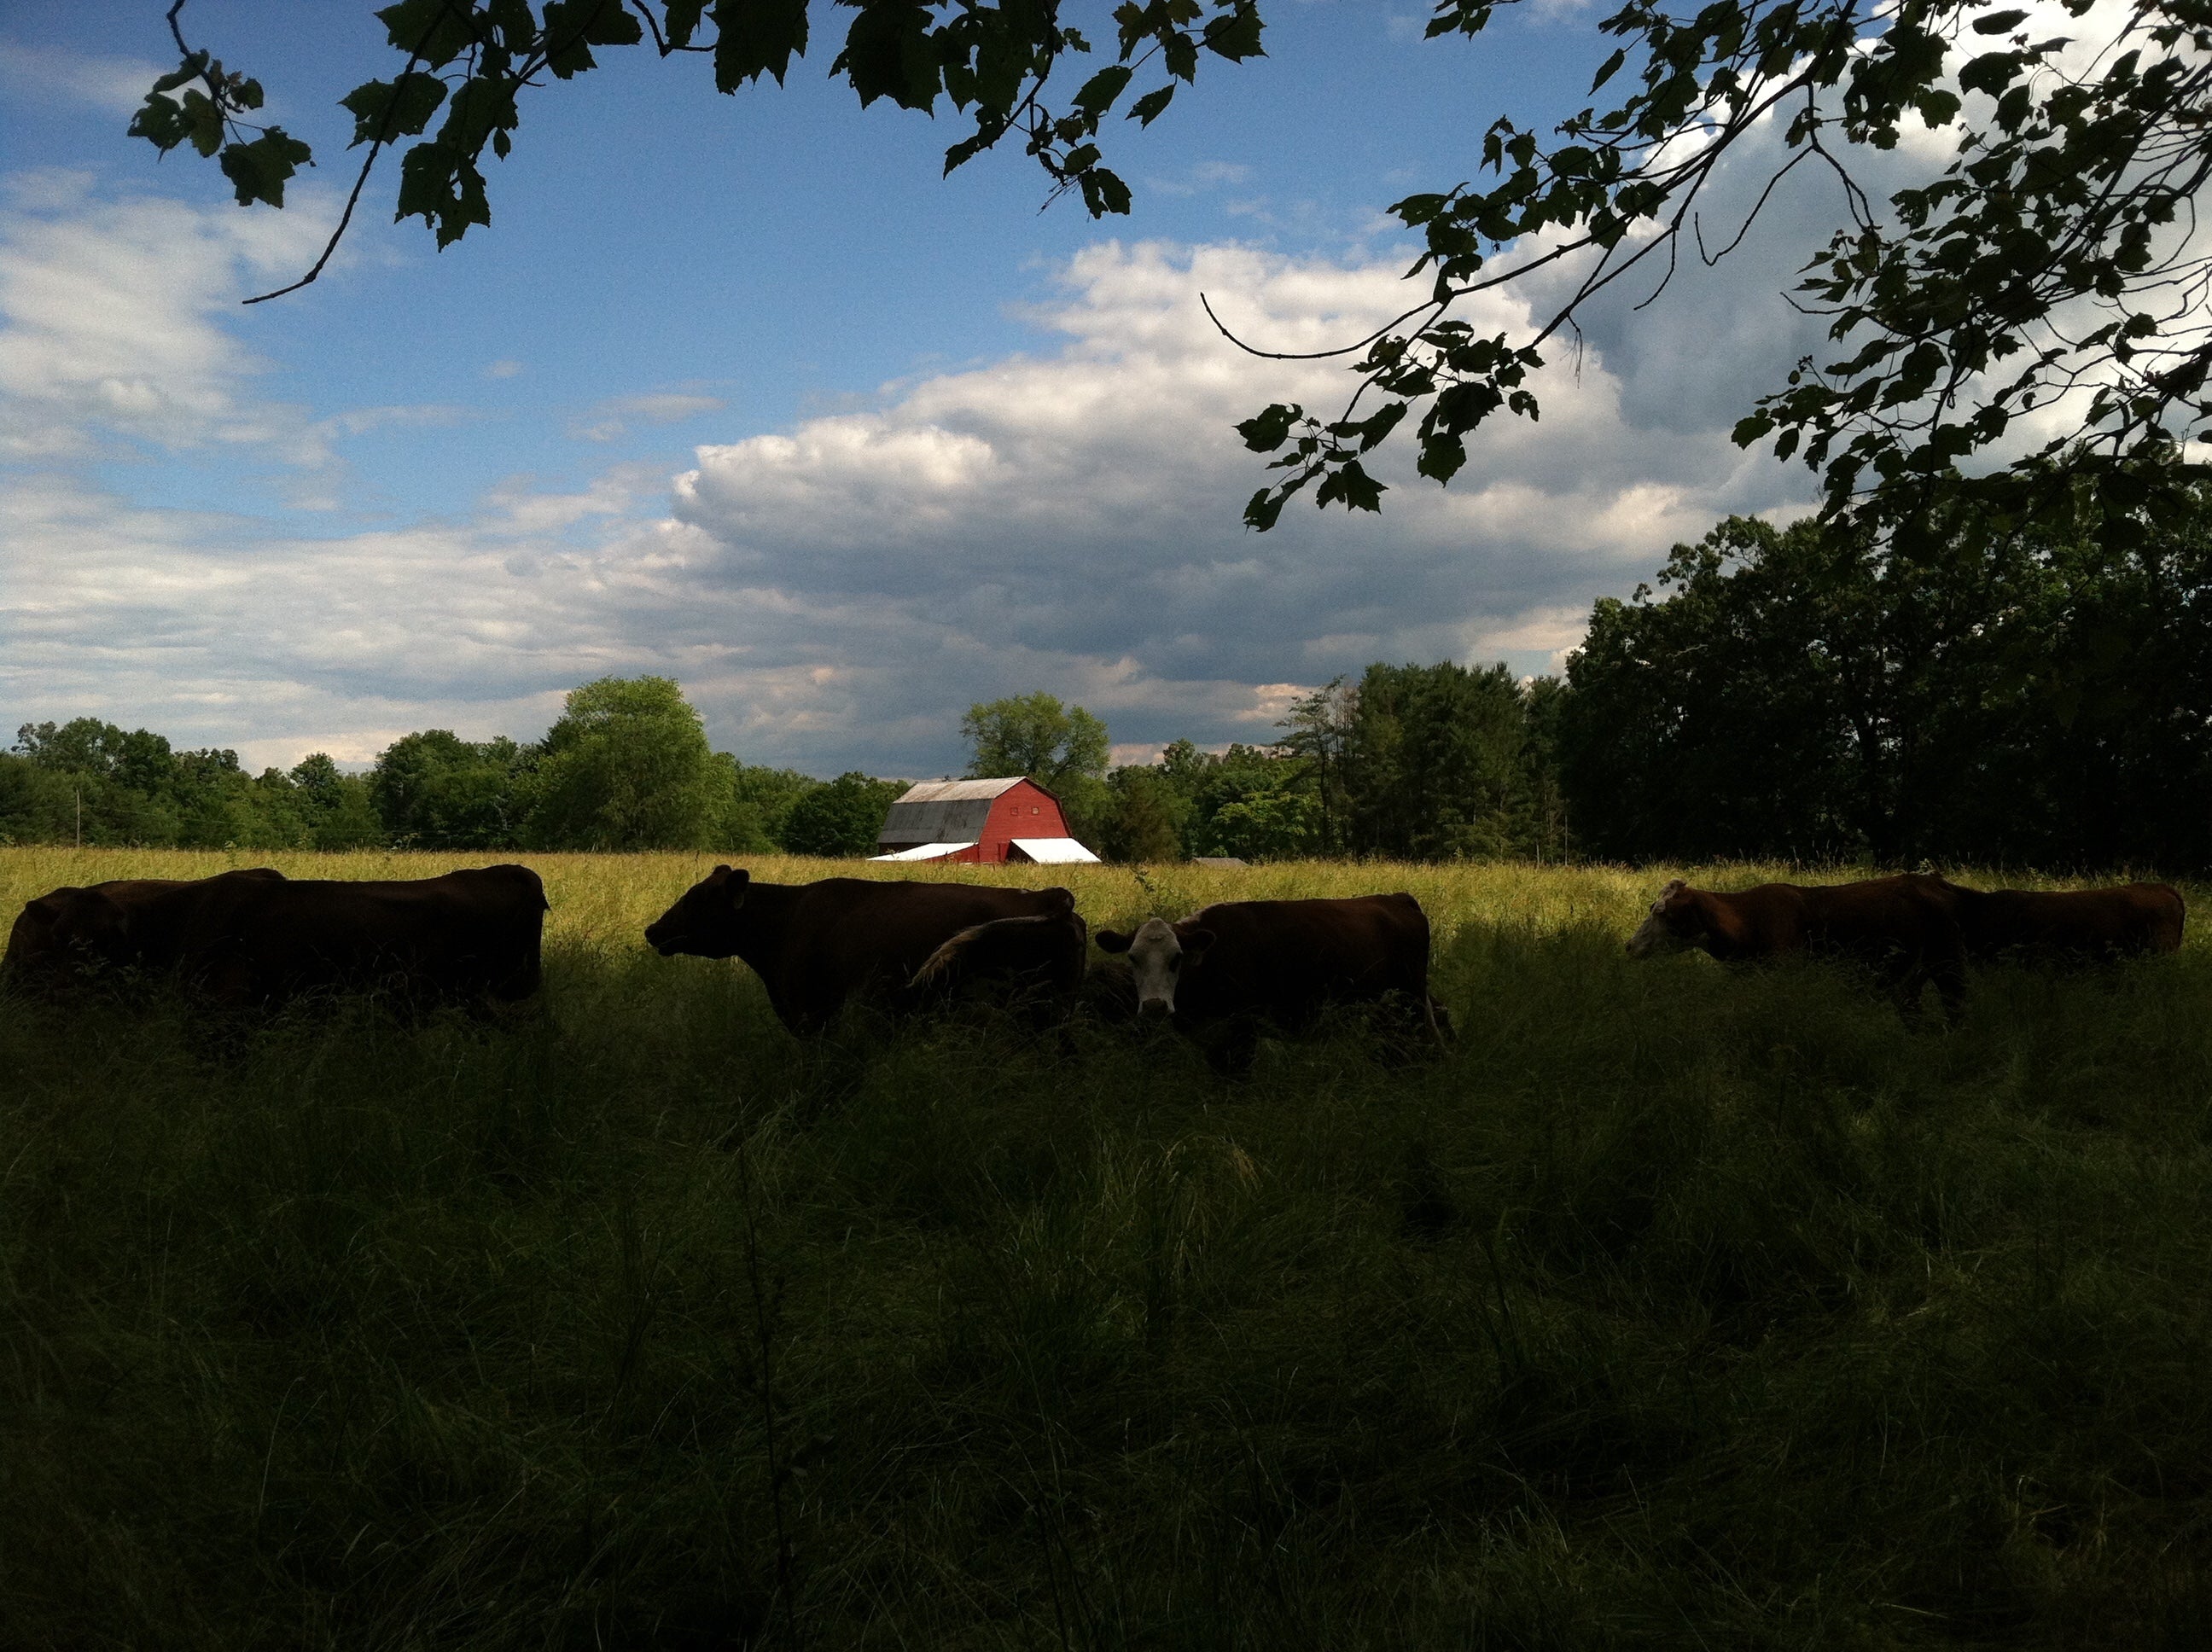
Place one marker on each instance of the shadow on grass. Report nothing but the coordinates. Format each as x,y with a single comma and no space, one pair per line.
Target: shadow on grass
1674,1303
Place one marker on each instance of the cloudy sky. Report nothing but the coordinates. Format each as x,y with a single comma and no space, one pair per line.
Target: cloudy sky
741,392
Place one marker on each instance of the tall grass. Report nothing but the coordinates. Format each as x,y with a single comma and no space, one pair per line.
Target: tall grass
1677,1306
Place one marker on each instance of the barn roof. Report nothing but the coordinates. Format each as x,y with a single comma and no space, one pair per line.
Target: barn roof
943,812
1054,851
925,851
957,790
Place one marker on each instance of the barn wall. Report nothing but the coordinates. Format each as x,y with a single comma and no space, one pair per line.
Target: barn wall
1023,810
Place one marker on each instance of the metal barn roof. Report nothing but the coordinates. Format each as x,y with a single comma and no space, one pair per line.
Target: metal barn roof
925,851
943,812
1055,851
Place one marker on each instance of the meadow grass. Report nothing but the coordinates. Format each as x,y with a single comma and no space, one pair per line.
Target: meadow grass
1677,1306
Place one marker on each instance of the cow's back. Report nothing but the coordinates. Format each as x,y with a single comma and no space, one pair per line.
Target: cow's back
1287,959
1910,912
469,934
2130,919
842,936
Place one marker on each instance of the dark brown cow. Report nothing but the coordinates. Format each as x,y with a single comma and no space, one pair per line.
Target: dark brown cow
2128,920
1042,956
1230,968
816,945
468,936
246,940
125,923
1903,928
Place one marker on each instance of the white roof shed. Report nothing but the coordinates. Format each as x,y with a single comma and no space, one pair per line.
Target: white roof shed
1054,852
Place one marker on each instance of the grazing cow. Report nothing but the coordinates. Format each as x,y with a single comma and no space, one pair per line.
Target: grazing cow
1903,927
2131,920
469,937
1237,964
816,945
127,923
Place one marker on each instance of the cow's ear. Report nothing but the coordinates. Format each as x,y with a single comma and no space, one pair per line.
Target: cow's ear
720,872
1113,940
1194,942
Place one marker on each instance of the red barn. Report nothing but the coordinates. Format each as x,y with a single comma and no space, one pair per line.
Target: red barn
981,821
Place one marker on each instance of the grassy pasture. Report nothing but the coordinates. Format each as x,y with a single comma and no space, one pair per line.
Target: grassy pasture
1680,1306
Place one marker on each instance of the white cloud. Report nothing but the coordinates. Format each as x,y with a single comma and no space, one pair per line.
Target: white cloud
114,86
836,593
111,322
610,420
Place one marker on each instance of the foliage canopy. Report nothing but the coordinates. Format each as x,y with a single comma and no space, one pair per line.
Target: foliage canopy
2054,262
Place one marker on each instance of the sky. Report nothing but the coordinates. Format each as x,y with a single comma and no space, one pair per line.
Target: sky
740,391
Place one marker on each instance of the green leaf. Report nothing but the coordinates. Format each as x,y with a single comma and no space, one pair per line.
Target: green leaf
1353,487
1998,21
1749,430
387,109
756,38
887,54
1103,192
1268,431
258,171
1609,69
1237,36
1098,92
572,27
203,122
1146,109
436,30
1264,509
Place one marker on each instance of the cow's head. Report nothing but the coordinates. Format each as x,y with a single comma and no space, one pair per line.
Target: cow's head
704,923
1159,953
81,925
1675,921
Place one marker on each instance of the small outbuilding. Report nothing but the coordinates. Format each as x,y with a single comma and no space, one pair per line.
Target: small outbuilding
982,821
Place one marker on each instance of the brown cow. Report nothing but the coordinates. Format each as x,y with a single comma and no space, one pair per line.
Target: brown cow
1042,954
125,923
1903,928
2129,921
469,937
816,945
1237,964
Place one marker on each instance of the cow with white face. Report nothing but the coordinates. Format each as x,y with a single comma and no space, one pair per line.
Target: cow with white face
1157,954
1235,966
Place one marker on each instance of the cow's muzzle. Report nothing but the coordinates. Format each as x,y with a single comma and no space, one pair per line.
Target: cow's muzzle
1154,1009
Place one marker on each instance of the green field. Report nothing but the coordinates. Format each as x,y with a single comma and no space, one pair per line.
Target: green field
1678,1307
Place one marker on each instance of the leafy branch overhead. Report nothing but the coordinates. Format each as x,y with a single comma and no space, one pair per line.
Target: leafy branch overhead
473,58
2055,259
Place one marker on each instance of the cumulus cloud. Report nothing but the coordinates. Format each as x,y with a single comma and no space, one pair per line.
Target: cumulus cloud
1070,517
111,321
834,593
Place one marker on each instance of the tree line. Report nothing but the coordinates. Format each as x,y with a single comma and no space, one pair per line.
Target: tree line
1990,692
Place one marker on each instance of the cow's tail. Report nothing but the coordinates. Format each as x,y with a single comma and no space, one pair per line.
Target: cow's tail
1439,1020
941,968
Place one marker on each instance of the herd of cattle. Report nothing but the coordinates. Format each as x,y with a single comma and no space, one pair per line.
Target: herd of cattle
256,938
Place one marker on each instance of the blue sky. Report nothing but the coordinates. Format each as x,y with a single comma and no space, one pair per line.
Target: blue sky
741,391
